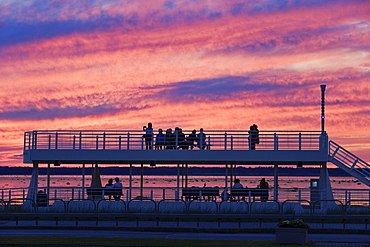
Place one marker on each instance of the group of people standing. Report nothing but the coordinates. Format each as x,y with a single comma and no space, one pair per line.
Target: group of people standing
178,140
174,140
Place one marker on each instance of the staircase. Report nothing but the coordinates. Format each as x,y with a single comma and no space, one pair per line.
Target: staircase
349,162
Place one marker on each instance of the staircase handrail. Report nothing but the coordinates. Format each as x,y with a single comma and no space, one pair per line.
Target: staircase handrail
357,162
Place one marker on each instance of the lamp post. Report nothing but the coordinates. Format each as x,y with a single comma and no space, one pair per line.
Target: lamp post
323,87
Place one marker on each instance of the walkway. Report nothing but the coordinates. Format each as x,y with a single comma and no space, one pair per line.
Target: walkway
323,239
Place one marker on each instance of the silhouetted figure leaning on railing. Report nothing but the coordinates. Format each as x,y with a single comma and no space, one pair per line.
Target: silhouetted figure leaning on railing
201,139
253,137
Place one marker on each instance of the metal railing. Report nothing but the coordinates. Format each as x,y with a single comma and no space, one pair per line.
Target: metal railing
351,197
134,140
348,160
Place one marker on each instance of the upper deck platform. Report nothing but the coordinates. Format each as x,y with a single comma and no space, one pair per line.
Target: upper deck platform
128,146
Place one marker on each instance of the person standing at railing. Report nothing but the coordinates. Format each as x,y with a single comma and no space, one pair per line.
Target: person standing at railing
159,140
183,144
201,139
148,135
253,136
169,139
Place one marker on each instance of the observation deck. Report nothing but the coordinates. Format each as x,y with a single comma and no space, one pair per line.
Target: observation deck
128,147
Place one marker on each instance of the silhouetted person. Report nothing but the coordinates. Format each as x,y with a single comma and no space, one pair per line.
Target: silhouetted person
182,140
191,139
264,185
201,139
159,140
109,185
237,184
169,139
148,135
118,189
253,136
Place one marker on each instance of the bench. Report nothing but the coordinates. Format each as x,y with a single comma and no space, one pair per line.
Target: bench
240,194
104,191
196,193
42,199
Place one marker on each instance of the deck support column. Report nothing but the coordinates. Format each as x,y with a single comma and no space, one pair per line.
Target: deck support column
186,175
48,181
226,176
141,180
130,183
83,181
326,192
231,175
32,190
276,182
178,182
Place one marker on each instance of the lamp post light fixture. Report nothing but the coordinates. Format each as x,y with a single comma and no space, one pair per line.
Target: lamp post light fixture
323,87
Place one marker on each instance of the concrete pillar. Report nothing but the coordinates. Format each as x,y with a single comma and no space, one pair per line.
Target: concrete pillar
141,179
276,182
83,181
178,182
130,182
48,181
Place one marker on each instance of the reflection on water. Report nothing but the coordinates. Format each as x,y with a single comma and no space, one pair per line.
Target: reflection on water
20,181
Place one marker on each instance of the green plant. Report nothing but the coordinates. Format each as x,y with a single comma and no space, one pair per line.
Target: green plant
295,223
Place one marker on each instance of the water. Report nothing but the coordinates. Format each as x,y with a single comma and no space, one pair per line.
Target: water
22,181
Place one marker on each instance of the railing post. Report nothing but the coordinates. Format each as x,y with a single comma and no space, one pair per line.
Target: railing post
164,194
231,142
119,142
49,145
80,144
349,199
142,143
225,141
74,142
209,143
10,195
56,140
276,144
128,140
97,142
151,194
300,141
177,139
29,142
73,193
34,133
104,141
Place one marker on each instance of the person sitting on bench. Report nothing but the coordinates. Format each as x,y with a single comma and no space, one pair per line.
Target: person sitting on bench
238,185
117,185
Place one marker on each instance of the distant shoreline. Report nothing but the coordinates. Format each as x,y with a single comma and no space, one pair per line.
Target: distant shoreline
172,171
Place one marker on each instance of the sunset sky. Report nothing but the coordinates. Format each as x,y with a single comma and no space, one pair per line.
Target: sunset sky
216,64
